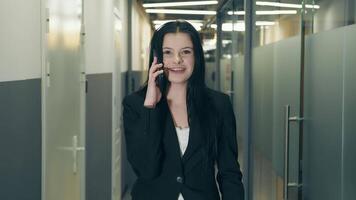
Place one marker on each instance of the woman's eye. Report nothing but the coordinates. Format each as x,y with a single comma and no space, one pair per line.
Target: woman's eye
166,52
187,52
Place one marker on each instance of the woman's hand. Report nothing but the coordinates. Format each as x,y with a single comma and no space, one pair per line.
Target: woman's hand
153,94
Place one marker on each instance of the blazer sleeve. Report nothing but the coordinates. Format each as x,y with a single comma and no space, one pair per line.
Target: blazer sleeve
229,175
143,137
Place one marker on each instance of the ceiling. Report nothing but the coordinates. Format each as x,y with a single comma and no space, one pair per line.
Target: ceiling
204,18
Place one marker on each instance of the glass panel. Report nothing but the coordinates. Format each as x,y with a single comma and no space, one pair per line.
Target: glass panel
64,103
275,83
276,20
232,64
231,58
323,113
227,26
209,46
330,102
237,76
325,15
349,139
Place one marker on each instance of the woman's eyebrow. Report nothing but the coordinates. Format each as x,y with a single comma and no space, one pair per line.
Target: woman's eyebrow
181,48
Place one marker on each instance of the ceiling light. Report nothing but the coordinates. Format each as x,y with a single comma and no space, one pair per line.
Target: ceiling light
276,12
174,4
182,12
236,13
284,5
214,26
312,6
267,12
265,23
240,25
165,21
276,4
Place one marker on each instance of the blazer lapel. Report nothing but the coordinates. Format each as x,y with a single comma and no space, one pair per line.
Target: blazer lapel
170,132
195,137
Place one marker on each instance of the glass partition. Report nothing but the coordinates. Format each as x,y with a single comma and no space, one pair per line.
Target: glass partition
231,36
329,100
303,56
276,76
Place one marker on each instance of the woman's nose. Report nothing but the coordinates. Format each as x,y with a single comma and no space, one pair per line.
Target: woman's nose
178,58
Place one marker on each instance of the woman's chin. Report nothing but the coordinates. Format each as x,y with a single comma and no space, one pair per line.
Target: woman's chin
178,80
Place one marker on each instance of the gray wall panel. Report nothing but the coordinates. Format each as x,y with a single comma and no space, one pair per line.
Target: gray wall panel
98,136
323,113
20,140
349,147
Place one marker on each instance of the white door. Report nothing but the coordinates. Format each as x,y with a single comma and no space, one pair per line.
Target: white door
63,87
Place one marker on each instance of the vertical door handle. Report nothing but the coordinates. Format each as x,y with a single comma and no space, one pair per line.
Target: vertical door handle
74,149
288,119
75,153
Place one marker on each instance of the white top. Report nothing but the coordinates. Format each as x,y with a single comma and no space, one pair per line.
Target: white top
183,138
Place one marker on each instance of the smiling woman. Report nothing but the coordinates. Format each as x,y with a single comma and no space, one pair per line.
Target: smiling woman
177,133
178,57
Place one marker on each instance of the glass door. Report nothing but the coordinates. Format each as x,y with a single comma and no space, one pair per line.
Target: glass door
63,83
226,22
231,36
329,161
276,106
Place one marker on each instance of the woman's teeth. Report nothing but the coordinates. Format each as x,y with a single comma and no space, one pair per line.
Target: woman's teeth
177,69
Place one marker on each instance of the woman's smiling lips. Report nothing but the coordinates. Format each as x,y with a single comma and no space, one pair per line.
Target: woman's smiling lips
176,69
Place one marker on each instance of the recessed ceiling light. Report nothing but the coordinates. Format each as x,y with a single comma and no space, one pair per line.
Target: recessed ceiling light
182,12
284,5
174,4
267,12
165,21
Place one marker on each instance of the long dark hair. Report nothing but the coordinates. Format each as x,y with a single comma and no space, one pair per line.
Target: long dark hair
197,97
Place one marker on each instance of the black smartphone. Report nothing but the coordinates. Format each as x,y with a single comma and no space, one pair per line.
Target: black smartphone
161,79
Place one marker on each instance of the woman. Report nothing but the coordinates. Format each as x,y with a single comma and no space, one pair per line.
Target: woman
178,131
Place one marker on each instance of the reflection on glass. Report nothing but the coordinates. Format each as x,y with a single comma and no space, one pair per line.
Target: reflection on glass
282,20
228,25
329,14
275,67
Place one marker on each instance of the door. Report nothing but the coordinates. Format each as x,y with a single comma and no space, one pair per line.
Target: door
303,100
276,106
63,86
330,101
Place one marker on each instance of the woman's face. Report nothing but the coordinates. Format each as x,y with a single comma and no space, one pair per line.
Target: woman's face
178,57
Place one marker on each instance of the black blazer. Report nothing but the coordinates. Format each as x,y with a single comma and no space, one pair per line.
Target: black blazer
154,154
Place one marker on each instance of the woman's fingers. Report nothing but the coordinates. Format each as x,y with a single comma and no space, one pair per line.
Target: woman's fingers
155,74
154,68
154,62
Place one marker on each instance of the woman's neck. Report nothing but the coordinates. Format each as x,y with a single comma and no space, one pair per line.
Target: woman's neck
177,93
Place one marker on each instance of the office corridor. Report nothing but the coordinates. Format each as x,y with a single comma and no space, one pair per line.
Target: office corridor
288,66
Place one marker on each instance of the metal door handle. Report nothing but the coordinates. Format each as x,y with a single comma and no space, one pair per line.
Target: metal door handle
75,153
74,148
286,183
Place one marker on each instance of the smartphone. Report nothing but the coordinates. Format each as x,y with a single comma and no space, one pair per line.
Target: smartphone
161,79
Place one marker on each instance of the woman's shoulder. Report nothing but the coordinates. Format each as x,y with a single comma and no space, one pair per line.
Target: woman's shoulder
135,98
217,97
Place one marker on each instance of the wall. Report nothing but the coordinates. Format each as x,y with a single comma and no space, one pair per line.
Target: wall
20,100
